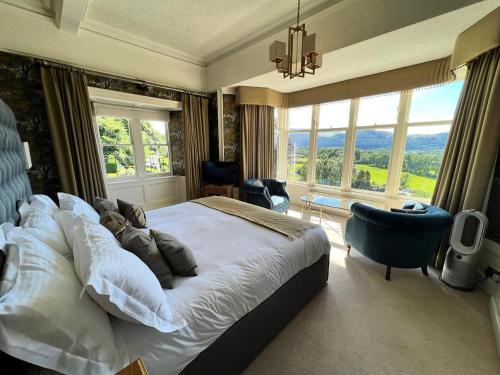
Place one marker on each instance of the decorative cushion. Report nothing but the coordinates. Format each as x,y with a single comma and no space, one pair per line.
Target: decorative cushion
102,205
411,211
44,318
44,228
258,183
69,202
179,257
119,281
144,247
134,213
114,222
277,200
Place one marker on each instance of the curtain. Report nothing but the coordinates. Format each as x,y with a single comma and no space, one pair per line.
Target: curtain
71,127
471,151
196,150
257,146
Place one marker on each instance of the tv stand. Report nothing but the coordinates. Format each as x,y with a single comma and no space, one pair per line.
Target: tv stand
220,190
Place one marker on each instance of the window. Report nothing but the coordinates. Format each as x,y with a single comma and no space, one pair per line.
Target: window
154,139
134,142
299,126
116,144
377,117
390,144
330,143
428,128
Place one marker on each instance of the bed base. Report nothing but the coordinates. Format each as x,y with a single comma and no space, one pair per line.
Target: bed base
236,348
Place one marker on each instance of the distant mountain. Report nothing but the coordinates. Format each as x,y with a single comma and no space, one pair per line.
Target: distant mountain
376,140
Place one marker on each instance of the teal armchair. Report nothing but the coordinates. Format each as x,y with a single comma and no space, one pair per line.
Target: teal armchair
268,193
395,239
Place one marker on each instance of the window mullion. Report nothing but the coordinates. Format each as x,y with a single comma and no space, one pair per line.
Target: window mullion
398,147
350,138
140,163
311,168
283,144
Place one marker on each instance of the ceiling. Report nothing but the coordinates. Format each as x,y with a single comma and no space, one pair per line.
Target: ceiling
196,30
424,41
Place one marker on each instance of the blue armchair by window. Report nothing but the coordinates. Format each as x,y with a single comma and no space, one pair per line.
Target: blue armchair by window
268,193
397,239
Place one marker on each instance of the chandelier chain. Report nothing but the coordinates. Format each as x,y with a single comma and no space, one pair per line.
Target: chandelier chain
298,12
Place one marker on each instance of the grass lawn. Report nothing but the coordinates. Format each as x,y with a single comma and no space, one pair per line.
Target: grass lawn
417,185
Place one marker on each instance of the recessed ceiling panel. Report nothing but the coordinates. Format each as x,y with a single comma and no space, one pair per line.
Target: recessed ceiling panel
203,28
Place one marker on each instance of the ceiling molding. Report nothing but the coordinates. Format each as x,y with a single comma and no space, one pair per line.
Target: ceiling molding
137,41
308,12
69,14
38,7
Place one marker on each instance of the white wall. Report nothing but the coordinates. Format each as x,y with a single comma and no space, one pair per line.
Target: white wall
150,193
29,33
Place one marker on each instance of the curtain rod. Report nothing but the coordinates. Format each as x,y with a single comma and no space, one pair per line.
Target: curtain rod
64,64
60,65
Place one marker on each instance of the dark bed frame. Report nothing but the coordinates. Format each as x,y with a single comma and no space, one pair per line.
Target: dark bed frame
233,351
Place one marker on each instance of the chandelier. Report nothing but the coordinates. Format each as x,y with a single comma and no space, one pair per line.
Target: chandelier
303,55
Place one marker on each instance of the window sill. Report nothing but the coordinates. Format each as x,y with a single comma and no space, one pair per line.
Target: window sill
136,180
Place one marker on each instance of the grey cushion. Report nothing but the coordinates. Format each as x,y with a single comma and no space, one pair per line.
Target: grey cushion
114,222
144,247
134,213
102,205
258,183
179,256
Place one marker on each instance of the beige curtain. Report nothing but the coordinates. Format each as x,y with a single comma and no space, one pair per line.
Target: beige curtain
471,151
195,118
71,127
257,147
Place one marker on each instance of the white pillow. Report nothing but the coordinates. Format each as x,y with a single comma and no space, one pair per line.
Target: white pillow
27,208
2,239
50,206
45,320
119,281
69,202
44,228
66,221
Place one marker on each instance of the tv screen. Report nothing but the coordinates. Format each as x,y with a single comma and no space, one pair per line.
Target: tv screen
220,172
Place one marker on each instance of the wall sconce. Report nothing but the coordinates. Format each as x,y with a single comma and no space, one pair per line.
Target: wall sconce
27,155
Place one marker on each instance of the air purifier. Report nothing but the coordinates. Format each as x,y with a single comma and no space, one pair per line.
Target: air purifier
459,270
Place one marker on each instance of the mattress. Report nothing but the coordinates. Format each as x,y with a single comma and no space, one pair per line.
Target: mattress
240,264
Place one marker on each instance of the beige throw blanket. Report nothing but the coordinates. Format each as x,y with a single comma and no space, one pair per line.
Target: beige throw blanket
286,225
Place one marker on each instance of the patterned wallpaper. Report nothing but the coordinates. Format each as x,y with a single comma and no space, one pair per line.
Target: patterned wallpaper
176,132
21,89
231,117
213,127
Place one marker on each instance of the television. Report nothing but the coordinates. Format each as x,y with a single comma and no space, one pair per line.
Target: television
221,172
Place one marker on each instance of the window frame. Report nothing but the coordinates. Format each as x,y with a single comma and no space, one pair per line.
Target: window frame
134,117
396,158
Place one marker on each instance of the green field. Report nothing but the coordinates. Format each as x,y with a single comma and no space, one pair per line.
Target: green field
417,185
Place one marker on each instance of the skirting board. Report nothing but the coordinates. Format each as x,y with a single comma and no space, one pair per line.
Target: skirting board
495,322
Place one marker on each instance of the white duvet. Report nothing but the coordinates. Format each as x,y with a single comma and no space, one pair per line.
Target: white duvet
240,264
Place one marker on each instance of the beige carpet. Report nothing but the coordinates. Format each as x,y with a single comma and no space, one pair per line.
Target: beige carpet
362,324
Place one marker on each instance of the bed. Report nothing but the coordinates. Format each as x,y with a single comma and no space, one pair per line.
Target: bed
251,280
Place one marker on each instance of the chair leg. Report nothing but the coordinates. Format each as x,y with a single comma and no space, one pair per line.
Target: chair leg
348,248
388,273
424,270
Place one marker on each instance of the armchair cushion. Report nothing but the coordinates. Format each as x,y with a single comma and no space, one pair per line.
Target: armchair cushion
268,193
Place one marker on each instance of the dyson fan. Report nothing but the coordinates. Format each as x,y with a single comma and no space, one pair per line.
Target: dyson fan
460,265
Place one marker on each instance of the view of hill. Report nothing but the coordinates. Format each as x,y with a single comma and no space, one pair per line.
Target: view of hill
377,140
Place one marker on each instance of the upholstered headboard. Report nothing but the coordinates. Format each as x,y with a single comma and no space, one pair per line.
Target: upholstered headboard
14,182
